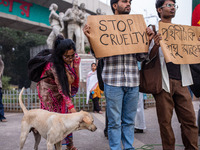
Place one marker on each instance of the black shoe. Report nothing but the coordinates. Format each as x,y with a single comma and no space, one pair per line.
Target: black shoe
106,133
138,131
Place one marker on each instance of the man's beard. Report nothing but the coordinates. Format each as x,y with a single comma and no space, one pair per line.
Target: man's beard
122,11
169,16
126,12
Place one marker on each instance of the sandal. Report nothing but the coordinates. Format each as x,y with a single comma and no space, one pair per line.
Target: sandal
3,120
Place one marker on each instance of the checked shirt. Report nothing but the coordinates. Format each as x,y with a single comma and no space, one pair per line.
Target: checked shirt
122,70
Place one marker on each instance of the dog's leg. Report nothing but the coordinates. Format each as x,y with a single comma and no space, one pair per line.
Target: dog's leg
49,145
37,140
24,134
52,139
58,146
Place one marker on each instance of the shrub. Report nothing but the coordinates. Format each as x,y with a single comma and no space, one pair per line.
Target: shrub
5,82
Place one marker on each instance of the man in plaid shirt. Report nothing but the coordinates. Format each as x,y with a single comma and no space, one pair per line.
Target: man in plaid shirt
121,87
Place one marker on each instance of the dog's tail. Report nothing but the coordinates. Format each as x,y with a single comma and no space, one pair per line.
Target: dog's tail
20,101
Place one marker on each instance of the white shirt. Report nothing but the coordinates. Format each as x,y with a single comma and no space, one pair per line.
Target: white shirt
186,75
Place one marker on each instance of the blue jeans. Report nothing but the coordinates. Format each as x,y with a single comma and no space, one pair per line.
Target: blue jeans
1,107
121,110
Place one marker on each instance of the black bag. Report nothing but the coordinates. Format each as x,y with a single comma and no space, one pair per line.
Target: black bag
195,70
99,72
151,76
37,64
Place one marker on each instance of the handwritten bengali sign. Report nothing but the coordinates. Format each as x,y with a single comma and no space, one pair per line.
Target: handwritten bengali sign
180,43
25,6
117,34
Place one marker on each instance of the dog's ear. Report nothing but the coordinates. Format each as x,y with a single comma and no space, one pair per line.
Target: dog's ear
87,120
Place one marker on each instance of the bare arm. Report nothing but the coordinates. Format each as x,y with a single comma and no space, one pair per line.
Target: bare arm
142,56
150,33
86,31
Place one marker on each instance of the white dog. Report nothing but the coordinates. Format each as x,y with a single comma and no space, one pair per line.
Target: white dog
54,127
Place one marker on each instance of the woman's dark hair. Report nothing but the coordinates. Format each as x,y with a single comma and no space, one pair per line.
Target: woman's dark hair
159,4
61,45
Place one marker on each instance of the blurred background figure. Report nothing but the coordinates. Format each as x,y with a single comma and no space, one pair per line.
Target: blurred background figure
93,90
2,117
140,125
145,98
139,118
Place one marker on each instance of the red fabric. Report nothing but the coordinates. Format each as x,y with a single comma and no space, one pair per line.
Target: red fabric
50,91
196,16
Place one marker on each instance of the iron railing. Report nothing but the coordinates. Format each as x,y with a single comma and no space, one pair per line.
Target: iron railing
31,100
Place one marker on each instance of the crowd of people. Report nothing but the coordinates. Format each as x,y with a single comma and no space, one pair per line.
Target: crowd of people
120,76
122,92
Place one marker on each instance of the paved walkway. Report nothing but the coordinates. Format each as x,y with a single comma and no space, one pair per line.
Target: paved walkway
86,140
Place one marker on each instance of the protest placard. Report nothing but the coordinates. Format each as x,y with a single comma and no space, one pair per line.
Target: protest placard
117,34
180,43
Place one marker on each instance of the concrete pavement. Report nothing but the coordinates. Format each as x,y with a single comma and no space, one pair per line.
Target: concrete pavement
86,140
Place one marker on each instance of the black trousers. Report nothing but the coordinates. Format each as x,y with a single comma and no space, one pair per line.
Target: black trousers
96,106
1,107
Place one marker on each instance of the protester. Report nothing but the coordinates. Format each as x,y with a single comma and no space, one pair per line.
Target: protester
2,117
175,94
121,80
93,89
61,82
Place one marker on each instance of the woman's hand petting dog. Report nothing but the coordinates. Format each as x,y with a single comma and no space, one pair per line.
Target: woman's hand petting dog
73,110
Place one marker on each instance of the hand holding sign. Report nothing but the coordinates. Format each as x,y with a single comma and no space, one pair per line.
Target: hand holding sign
86,30
157,39
117,34
150,33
